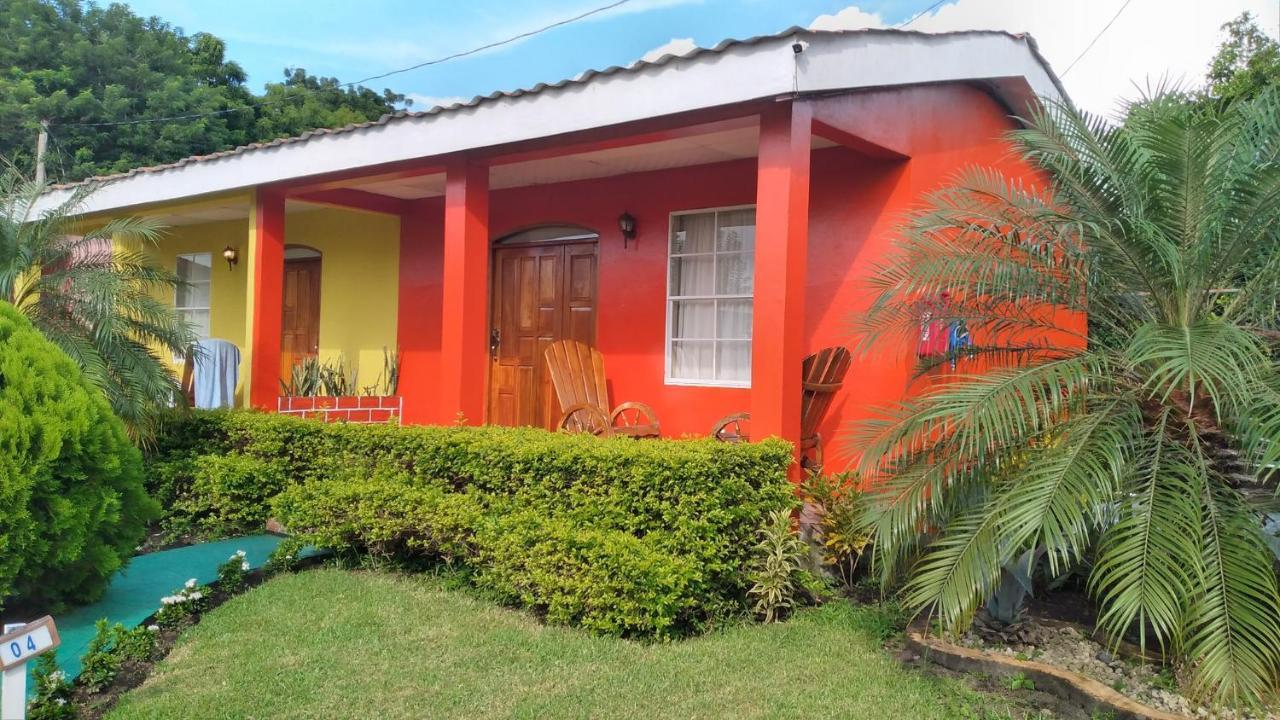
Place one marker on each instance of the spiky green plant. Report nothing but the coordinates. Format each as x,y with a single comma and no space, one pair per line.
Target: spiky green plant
1139,446
93,291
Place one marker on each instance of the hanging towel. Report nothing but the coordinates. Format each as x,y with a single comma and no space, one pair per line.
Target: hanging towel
216,373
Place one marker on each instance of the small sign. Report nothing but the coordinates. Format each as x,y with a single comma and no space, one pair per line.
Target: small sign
28,641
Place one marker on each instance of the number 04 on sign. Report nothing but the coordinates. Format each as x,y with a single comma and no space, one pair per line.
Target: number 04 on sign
28,641
18,646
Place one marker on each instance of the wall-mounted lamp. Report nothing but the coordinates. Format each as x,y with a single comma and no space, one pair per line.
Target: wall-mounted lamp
627,224
231,255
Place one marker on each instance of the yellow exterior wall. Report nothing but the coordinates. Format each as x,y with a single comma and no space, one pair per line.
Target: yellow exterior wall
359,283
227,287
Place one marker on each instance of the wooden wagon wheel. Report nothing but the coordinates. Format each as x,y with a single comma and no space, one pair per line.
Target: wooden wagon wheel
733,428
635,419
586,418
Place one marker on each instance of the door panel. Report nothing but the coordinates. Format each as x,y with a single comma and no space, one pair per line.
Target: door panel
540,294
300,313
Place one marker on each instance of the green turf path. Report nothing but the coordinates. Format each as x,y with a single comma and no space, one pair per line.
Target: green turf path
135,592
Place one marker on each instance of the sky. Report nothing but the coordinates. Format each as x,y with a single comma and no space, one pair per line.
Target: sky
1149,42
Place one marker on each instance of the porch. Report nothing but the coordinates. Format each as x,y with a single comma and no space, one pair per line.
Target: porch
755,222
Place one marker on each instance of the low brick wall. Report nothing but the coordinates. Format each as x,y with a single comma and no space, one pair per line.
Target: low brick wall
348,408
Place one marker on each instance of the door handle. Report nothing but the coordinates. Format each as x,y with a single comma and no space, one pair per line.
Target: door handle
495,341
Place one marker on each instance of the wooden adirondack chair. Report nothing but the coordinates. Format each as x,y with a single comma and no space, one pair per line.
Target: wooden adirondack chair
577,372
823,375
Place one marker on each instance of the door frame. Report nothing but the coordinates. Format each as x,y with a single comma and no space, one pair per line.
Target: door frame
510,240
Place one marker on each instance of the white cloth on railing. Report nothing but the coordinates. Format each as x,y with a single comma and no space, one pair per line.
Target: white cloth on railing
217,370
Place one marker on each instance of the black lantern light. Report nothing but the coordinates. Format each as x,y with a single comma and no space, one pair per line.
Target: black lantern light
627,224
231,255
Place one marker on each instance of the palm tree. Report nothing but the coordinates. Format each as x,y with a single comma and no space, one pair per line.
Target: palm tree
94,292
1136,451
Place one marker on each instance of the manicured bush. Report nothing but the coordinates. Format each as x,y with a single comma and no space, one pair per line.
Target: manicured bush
623,537
72,504
228,495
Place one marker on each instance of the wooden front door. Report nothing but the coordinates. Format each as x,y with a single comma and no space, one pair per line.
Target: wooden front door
541,294
300,316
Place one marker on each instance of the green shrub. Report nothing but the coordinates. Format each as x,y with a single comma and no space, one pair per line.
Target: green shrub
383,517
627,538
228,495
72,504
99,664
607,581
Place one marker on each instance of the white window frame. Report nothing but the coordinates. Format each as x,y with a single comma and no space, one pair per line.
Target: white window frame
209,308
670,302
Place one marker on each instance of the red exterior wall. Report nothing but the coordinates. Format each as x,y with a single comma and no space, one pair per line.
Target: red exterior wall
855,203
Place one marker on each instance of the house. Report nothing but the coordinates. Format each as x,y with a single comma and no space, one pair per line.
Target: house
764,177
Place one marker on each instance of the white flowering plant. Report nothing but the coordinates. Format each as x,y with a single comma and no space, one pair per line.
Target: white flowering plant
190,599
233,573
287,556
52,698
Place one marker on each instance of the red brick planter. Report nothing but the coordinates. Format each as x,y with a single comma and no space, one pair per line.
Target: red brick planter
348,408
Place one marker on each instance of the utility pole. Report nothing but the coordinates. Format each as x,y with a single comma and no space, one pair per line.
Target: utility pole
42,144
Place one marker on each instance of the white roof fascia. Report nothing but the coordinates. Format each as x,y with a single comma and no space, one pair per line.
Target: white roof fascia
706,79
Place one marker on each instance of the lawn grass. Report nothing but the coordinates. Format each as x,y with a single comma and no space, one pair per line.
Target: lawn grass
339,644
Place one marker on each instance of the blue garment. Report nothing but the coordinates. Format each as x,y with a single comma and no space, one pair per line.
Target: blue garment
958,341
216,372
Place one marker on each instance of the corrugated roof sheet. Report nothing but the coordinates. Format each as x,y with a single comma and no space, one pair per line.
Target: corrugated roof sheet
580,79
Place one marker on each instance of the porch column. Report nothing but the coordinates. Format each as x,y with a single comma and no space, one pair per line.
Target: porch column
265,298
782,230
464,306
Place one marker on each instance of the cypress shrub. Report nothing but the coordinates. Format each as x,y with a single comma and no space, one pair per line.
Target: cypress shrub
72,504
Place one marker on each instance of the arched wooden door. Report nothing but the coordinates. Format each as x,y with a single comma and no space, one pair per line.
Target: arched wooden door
544,290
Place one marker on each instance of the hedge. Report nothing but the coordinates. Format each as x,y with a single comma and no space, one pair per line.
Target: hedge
72,505
628,538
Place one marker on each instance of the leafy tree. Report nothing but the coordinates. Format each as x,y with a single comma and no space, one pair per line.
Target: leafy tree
98,74
95,293
1246,63
1141,448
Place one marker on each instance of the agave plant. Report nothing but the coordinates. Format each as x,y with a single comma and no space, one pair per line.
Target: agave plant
96,293
1143,444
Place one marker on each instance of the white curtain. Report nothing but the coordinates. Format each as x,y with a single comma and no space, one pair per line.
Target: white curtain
711,282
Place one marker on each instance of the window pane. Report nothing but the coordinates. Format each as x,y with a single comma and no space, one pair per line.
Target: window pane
199,320
195,268
691,360
735,273
694,233
733,360
194,295
693,319
737,230
733,319
692,275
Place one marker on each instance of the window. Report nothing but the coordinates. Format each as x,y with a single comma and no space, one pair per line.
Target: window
709,297
192,297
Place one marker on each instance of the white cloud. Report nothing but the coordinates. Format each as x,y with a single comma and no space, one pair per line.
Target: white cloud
426,102
1152,39
674,46
850,18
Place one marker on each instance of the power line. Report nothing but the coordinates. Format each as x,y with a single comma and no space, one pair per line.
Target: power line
307,91
1095,38
918,15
